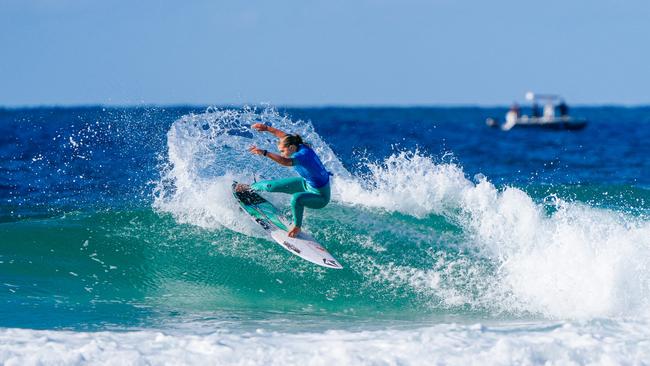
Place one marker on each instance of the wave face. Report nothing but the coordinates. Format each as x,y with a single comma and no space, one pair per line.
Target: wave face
413,228
124,220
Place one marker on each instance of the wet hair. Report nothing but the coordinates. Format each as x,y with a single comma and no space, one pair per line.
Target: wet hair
289,140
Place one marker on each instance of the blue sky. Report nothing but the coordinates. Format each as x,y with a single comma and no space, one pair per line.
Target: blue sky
304,52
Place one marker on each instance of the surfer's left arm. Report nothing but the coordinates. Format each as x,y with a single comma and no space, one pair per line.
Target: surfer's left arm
275,157
272,130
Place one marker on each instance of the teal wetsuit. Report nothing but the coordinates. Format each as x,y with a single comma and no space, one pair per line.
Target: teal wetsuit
311,189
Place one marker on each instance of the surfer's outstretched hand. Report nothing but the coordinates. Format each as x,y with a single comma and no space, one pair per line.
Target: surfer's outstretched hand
294,232
255,150
260,127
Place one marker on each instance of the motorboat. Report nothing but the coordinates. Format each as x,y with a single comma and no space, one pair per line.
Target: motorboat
554,115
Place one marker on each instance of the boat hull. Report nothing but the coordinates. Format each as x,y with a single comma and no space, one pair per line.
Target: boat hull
550,124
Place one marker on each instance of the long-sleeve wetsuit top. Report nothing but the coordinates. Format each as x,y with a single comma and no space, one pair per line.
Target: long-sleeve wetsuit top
309,166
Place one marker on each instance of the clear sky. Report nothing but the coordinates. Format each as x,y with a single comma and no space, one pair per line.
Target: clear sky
331,52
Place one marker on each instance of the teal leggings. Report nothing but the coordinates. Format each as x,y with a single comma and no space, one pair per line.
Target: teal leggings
304,195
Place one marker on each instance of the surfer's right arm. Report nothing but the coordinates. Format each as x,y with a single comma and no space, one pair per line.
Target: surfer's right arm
262,127
275,157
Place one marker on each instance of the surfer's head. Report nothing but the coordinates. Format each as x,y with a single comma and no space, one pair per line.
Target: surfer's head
289,144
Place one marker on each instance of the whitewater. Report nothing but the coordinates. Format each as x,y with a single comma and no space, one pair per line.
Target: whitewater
444,264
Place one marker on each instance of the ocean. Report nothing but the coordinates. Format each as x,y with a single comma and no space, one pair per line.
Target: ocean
120,242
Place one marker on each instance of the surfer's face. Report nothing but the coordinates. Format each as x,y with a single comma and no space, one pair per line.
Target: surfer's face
286,151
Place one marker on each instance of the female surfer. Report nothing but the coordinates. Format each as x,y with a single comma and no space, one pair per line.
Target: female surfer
311,189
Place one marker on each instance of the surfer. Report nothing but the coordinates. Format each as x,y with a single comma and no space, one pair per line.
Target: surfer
311,189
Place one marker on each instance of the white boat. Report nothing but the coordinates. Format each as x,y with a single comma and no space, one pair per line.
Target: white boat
547,119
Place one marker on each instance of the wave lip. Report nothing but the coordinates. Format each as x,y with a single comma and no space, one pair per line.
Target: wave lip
407,182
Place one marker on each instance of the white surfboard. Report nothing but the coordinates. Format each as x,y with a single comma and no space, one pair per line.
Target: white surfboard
276,225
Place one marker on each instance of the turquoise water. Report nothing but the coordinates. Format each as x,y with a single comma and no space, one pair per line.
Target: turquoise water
139,268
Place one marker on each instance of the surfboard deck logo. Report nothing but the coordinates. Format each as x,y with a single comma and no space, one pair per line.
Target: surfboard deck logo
277,226
291,247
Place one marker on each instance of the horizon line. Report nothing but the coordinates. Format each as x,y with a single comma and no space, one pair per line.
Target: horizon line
299,106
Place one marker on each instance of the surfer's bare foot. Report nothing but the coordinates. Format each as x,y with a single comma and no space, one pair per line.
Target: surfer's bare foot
294,232
242,188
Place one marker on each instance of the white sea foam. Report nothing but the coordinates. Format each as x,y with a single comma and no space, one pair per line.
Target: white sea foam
578,262
593,343
407,182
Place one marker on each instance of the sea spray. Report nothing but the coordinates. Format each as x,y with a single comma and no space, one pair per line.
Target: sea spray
206,152
407,182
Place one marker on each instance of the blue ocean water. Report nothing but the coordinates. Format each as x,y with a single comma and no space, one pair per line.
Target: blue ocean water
117,227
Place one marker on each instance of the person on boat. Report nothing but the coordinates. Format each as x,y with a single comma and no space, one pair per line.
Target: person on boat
515,109
513,114
563,109
535,110
549,111
311,189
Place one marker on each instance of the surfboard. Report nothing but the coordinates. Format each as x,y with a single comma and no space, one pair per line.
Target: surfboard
277,227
